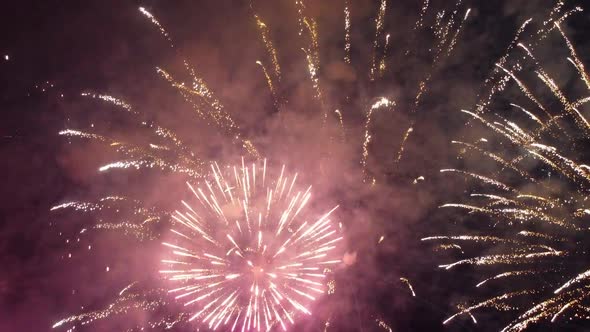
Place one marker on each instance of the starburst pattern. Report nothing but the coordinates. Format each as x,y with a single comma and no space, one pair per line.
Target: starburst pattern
247,254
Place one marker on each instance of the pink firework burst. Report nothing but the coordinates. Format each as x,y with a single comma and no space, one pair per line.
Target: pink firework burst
245,252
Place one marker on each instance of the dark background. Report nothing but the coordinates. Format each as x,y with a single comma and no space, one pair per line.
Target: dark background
64,47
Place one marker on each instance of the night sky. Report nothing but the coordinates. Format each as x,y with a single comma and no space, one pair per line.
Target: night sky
51,51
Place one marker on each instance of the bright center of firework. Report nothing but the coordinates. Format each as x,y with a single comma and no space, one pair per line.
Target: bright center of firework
253,266
256,270
247,254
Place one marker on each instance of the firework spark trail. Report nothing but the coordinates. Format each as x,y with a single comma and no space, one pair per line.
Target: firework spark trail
498,303
139,224
129,299
157,24
446,33
510,274
270,49
420,22
379,104
200,97
139,157
246,252
496,158
402,145
407,282
270,83
341,122
444,46
148,155
442,49
496,82
347,31
540,229
382,325
312,50
275,78
379,27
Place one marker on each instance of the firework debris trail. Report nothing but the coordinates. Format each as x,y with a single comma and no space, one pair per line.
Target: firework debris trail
540,229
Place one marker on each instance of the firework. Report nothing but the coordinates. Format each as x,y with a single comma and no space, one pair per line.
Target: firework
537,200
233,292
246,254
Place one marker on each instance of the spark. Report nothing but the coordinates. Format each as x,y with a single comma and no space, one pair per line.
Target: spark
418,179
272,52
379,26
407,282
402,146
156,23
383,325
379,104
347,31
269,81
341,121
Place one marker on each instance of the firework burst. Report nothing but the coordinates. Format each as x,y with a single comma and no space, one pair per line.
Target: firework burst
536,199
247,254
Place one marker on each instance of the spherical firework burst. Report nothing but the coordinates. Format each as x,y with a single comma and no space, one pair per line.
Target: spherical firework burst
537,197
246,253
